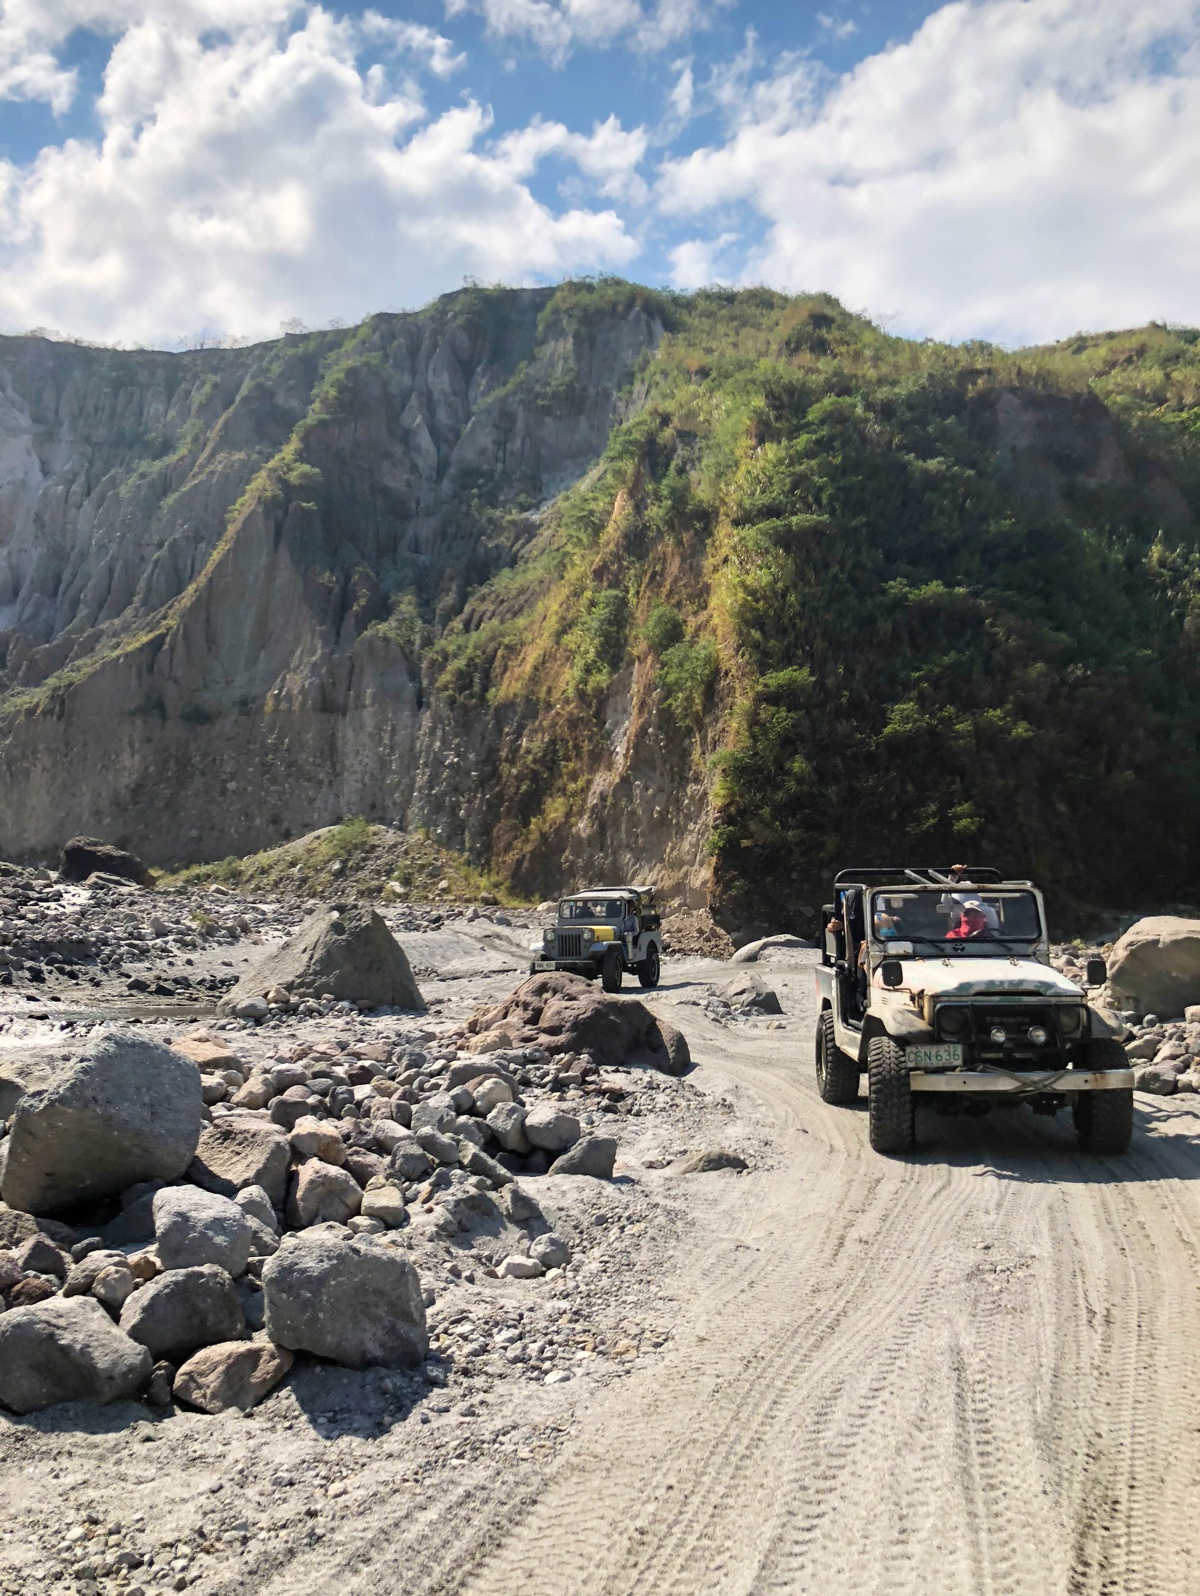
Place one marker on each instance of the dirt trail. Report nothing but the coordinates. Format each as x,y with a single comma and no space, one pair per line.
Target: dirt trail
972,1371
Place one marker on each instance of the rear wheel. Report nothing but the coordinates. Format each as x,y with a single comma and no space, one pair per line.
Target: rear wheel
649,969
1104,1120
610,971
837,1073
889,1098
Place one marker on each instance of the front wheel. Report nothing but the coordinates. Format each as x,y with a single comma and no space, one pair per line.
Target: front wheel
837,1073
889,1098
610,971
1104,1120
649,969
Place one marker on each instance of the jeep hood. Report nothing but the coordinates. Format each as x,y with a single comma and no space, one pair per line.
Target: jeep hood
958,977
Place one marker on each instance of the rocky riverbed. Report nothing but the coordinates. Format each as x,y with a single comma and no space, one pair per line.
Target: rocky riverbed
425,1137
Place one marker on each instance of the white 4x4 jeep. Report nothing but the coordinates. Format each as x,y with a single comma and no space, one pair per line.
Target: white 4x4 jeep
937,984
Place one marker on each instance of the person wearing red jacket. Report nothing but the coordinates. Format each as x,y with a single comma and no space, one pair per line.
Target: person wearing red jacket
974,923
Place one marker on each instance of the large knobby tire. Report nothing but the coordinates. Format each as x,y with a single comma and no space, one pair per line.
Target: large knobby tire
1104,1120
889,1098
837,1073
649,969
610,971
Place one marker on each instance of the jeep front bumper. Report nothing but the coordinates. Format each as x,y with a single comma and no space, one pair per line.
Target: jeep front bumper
1021,1082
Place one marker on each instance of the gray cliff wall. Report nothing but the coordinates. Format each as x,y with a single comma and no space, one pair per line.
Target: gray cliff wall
200,676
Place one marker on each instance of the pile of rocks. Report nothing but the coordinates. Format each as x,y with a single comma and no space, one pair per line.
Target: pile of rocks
225,1206
1165,1053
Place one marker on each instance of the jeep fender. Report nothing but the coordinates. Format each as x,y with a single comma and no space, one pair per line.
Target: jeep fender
904,1025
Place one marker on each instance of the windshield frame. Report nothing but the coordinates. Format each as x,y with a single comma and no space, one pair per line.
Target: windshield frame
591,900
956,890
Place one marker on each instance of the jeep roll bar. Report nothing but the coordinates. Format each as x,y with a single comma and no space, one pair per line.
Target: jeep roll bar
900,875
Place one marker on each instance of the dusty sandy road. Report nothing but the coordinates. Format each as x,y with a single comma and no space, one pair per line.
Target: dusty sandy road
972,1371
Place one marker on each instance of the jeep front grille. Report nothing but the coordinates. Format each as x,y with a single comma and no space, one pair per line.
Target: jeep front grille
570,945
978,1021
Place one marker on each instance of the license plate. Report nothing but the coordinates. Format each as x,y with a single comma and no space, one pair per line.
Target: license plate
941,1056
544,964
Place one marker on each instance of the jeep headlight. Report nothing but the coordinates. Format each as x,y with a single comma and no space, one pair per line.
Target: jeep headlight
952,1023
588,935
547,939
1070,1021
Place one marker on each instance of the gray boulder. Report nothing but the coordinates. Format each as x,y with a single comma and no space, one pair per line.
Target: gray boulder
551,1251
67,1350
356,1302
182,1310
81,1276
27,1071
193,1227
443,1148
507,1124
322,1194
594,1155
707,1162
551,1129
409,1160
436,1113
256,1204
1158,1079
347,951
124,1110
748,993
750,952
1155,966
236,1151
476,1162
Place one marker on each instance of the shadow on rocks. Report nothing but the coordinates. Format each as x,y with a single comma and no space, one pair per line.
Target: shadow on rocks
366,1403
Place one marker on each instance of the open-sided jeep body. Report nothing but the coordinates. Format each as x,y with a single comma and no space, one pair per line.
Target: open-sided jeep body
595,936
939,989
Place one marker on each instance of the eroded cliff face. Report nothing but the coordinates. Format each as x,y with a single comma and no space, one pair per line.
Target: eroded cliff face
216,569
718,592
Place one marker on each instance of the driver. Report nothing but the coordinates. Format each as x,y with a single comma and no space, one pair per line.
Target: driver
973,924
953,903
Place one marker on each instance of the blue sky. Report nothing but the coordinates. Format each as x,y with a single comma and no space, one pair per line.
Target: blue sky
1010,169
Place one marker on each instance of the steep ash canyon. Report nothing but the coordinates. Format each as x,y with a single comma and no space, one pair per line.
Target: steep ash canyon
597,580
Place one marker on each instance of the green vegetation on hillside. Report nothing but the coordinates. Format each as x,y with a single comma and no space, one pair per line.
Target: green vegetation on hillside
355,859
902,600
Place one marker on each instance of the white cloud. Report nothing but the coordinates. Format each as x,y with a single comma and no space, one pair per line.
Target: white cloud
1018,169
434,49
845,29
694,262
251,168
610,155
558,27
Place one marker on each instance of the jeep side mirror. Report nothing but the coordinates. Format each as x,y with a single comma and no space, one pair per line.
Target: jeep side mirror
891,972
1097,972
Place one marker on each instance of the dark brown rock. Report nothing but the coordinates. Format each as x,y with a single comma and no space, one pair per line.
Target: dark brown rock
571,1017
235,1152
26,1292
84,855
234,1374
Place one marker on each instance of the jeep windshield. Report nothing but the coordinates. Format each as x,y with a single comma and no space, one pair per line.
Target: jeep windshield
591,909
961,918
